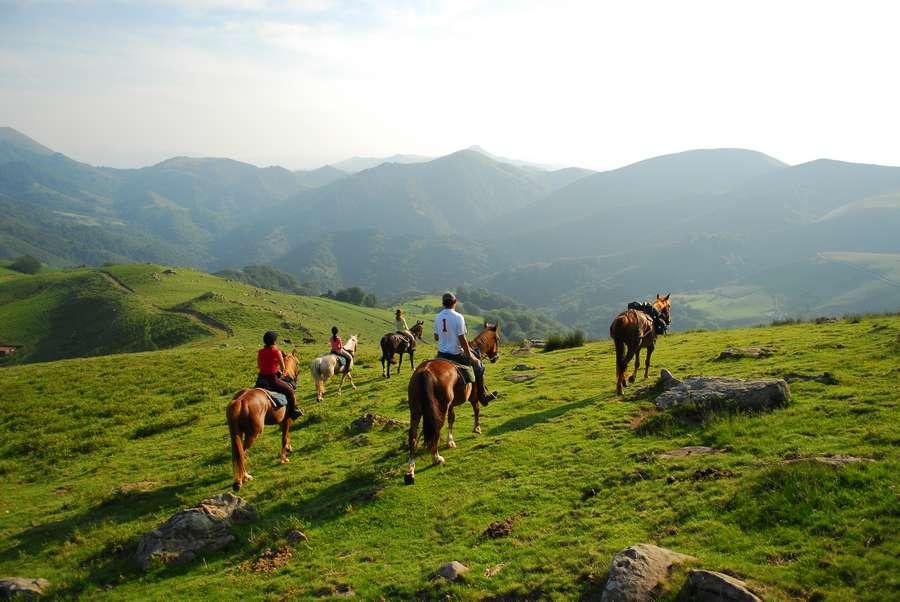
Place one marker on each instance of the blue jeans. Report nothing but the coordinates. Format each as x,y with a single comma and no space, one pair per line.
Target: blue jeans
477,366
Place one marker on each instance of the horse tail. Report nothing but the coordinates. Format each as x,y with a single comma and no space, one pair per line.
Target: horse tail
428,405
233,416
314,370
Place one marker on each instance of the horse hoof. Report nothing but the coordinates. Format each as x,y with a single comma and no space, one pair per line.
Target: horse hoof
438,460
236,486
284,460
248,477
409,479
477,430
451,444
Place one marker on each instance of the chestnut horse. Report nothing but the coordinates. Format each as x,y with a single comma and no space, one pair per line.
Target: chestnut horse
395,343
248,412
435,388
635,330
325,366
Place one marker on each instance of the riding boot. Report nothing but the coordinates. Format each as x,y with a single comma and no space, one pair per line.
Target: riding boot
483,396
294,412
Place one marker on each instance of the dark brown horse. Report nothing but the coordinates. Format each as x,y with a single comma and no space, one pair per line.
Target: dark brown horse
248,412
435,388
394,343
635,330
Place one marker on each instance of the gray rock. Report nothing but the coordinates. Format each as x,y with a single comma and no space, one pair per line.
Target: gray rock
826,378
522,367
638,572
452,571
295,536
730,393
193,531
733,353
837,460
667,380
520,378
22,587
368,421
709,586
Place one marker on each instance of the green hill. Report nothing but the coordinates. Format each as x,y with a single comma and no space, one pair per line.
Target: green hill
96,451
129,308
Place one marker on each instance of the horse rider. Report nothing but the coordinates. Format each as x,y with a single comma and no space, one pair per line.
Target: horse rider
450,334
270,362
337,348
402,328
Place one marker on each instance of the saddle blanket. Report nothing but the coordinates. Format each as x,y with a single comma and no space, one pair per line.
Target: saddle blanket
279,400
342,361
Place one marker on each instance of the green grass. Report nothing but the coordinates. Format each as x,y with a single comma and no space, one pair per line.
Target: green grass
577,468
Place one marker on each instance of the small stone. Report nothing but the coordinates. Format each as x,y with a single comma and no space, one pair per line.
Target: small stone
522,367
733,353
368,421
710,586
22,587
520,378
452,571
667,380
295,536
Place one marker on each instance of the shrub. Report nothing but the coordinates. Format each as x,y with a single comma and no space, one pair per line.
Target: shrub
26,264
564,341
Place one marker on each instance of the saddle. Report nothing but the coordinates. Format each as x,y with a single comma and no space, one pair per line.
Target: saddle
465,371
659,325
279,400
342,361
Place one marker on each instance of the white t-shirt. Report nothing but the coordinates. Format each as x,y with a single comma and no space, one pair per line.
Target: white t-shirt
448,325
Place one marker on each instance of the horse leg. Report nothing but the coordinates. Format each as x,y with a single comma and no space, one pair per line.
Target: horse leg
647,363
632,348
637,366
451,417
476,410
350,378
383,373
414,417
285,439
249,439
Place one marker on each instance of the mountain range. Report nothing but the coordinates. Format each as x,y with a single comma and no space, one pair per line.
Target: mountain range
739,236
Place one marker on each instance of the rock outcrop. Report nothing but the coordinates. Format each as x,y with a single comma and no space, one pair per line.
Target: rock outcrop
728,393
190,532
22,588
710,586
733,353
637,573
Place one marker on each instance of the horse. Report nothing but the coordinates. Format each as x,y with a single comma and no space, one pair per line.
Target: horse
435,388
247,413
636,330
395,343
325,366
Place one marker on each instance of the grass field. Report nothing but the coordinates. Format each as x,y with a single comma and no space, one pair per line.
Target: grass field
96,451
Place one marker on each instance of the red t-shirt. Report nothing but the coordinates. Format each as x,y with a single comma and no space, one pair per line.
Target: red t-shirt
268,360
336,344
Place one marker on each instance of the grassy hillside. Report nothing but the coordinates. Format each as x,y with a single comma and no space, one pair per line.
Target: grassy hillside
128,308
97,451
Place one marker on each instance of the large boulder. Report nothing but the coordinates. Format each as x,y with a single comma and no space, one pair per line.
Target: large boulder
667,380
709,392
637,573
190,532
22,588
710,586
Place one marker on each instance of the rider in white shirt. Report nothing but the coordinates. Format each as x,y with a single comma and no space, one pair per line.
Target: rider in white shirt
450,334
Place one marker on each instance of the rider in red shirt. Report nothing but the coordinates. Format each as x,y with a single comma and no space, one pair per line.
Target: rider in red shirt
270,362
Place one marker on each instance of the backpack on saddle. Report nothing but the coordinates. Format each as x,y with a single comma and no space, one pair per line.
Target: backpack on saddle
659,325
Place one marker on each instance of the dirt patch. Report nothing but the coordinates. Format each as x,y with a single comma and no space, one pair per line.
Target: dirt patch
502,528
493,570
711,473
640,417
826,378
139,487
521,351
369,421
270,561
733,353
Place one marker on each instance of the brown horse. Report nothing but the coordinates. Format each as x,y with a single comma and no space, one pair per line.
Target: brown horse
636,330
248,412
435,388
395,343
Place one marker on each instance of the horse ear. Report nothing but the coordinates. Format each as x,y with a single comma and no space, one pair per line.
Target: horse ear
294,352
666,298
658,297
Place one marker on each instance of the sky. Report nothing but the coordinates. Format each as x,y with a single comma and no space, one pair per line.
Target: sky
302,83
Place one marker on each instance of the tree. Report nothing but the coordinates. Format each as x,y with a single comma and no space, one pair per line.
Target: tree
26,264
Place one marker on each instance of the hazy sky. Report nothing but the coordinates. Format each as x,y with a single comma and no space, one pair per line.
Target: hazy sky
306,82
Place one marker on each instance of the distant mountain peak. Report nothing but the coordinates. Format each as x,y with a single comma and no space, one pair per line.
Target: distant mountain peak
13,137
